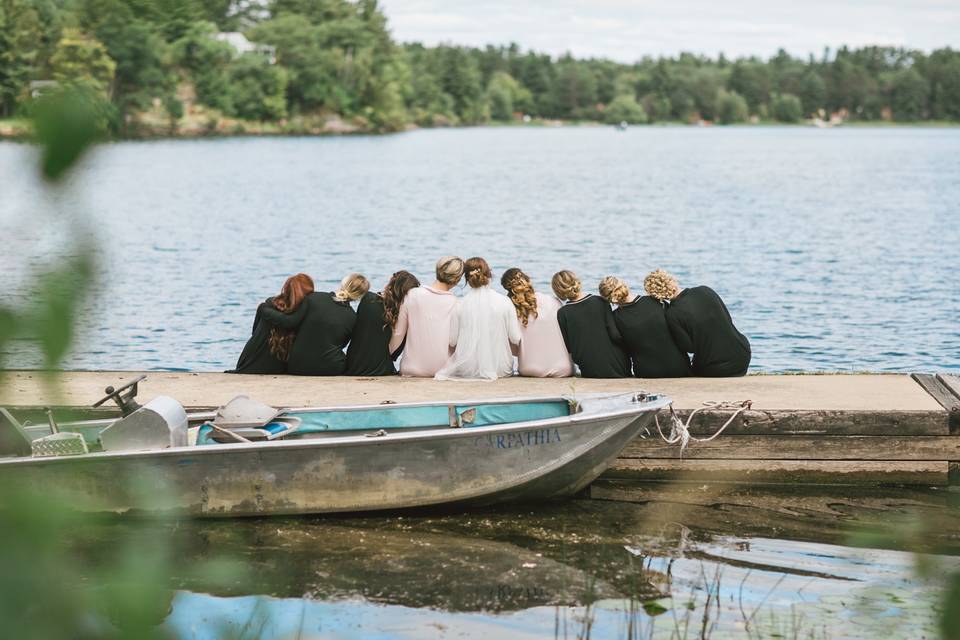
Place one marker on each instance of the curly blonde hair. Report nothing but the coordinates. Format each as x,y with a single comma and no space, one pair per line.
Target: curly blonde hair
614,290
353,287
566,285
661,285
520,291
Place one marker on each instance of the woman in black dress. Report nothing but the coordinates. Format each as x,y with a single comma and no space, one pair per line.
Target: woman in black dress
369,350
324,324
589,331
701,325
268,348
643,324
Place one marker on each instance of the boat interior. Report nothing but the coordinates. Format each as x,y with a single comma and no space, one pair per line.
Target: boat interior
163,423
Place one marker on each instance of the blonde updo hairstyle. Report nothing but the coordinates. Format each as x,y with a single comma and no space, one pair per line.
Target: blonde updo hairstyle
353,287
520,291
478,272
661,285
566,285
614,290
449,270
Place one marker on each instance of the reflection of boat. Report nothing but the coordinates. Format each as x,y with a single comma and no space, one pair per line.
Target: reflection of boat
344,459
412,567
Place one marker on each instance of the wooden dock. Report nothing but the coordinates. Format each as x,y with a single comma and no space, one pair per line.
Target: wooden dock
819,429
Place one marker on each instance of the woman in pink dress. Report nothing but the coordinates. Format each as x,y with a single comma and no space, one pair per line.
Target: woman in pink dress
424,322
542,352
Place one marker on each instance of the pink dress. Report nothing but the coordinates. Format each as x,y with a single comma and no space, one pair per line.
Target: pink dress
424,320
542,352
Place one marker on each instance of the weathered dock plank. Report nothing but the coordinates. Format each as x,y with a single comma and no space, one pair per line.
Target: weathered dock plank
929,472
736,447
777,422
952,383
812,393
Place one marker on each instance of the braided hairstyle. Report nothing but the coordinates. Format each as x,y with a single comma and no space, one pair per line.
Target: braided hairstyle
566,285
396,290
614,290
521,293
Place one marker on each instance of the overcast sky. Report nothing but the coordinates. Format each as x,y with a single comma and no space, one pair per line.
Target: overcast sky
627,30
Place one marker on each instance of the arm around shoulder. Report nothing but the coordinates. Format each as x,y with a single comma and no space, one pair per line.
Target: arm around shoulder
283,320
400,329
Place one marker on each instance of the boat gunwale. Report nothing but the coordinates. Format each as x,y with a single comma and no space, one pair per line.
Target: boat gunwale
445,432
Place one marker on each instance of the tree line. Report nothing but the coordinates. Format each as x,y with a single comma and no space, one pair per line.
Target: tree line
337,57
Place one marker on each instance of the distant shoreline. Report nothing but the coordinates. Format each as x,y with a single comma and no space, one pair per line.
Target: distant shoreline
20,130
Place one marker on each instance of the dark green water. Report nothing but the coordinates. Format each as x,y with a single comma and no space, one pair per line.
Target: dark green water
686,562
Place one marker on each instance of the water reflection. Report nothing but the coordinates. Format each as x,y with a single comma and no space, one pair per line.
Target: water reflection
660,567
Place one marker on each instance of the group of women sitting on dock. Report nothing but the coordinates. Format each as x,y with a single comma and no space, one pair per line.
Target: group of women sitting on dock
476,336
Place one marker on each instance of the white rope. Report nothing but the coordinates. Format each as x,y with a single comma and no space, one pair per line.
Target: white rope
680,431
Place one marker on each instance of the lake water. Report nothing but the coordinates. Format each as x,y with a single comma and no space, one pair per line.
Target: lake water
667,567
834,249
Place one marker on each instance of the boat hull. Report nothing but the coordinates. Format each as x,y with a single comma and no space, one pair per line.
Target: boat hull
538,460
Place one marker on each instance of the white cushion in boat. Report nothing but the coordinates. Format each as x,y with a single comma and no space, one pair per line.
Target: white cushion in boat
244,412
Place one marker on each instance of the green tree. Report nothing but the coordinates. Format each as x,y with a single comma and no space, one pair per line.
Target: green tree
751,80
731,107
459,77
787,108
257,88
20,34
624,108
657,107
575,89
909,94
205,61
506,95
80,59
942,69
812,92
144,62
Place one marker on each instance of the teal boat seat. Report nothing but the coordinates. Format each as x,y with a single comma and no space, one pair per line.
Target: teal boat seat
434,416
438,416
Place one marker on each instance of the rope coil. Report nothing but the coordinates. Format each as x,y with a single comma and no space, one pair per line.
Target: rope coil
680,430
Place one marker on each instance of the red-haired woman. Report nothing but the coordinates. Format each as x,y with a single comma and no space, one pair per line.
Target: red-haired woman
268,348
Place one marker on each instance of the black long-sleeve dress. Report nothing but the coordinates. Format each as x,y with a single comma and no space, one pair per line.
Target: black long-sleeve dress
647,339
369,350
701,325
256,356
592,338
324,326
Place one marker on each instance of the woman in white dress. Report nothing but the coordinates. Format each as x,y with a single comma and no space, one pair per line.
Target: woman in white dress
482,329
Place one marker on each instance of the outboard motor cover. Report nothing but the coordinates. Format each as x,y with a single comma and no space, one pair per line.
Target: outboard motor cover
159,424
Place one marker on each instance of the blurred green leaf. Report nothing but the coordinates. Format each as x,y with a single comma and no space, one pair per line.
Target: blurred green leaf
66,123
950,619
59,293
9,326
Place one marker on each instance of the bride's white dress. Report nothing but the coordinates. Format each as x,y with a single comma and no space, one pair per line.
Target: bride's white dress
482,328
